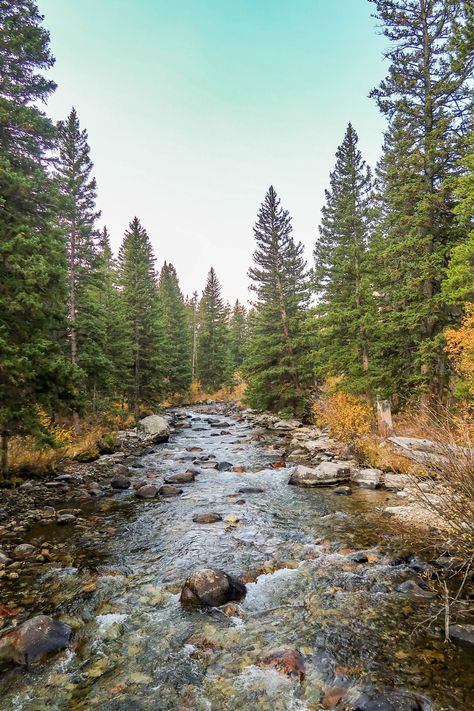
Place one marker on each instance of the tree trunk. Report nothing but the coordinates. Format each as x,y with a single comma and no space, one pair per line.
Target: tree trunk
4,472
384,418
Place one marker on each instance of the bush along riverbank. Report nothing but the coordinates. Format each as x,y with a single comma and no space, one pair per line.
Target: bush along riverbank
269,520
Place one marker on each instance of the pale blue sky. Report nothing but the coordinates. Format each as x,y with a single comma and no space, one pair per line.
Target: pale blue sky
194,107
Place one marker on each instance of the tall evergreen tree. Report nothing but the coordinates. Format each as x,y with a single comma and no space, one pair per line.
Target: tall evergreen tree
213,360
143,317
342,272
427,98
78,215
177,342
276,364
33,369
192,313
238,334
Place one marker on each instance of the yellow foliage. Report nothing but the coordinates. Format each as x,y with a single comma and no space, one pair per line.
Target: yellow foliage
460,348
348,418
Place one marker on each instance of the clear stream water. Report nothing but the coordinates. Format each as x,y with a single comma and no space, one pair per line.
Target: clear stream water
137,648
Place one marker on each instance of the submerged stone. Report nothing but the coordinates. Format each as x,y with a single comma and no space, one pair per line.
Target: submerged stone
208,587
32,641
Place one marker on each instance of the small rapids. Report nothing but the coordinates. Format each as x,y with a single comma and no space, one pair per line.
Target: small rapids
136,648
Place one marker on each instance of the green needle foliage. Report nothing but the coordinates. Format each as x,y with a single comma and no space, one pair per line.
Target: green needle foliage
33,369
276,364
144,373
213,359
177,354
342,280
426,97
238,332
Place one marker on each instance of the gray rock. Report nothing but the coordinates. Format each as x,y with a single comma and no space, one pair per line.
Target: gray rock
343,490
120,482
224,466
24,551
367,478
154,429
286,425
396,482
410,587
147,491
325,474
208,587
462,633
181,478
66,519
33,640
389,700
168,490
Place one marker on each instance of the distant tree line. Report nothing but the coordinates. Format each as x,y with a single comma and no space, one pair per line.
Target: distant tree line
393,269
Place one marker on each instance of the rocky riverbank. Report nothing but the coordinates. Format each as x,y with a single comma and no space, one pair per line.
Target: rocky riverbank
210,518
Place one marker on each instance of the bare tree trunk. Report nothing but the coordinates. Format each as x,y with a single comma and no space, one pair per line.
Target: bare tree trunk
4,470
384,418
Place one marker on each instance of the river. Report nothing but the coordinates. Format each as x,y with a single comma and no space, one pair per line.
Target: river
137,648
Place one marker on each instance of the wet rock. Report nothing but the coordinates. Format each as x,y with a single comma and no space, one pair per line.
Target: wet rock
4,559
333,697
251,490
210,517
208,587
231,518
24,551
168,490
141,482
66,519
120,470
181,478
411,588
148,491
193,449
289,662
224,466
343,490
94,489
462,633
238,470
325,474
33,640
154,429
207,465
120,482
389,700
367,478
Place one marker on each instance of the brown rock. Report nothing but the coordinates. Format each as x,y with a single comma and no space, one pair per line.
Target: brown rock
32,641
181,478
148,491
207,587
210,517
289,662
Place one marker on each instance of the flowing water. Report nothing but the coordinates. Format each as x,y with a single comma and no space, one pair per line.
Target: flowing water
137,648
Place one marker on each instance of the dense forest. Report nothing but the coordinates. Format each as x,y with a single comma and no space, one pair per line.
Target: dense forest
385,309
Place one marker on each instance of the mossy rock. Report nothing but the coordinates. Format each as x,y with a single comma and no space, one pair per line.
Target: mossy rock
106,444
88,455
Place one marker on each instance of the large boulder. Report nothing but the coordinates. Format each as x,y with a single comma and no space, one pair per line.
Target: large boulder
147,491
325,474
33,640
390,700
208,587
367,478
462,633
181,478
397,482
154,428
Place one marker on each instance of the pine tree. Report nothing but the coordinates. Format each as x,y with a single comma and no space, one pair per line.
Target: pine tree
342,278
213,360
276,366
238,334
177,353
426,97
33,369
143,377
78,215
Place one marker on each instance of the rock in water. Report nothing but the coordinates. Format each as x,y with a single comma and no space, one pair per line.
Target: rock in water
32,641
224,466
325,474
154,429
390,700
289,662
367,478
120,482
181,478
208,587
24,551
210,517
148,491
168,490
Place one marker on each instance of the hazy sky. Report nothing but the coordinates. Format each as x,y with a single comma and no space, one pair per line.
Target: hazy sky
194,107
